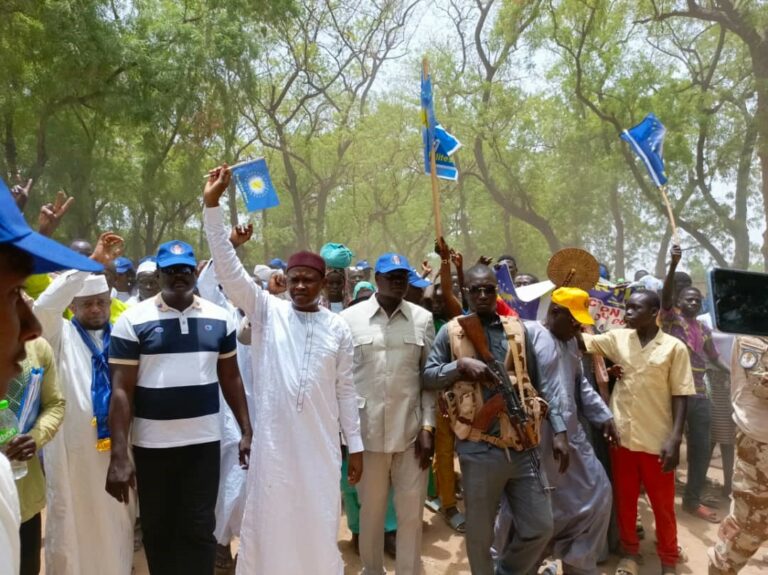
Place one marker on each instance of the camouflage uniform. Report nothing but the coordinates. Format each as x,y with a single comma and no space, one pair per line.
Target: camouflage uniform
746,527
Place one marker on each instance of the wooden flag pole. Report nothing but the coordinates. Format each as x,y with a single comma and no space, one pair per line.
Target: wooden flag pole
675,236
433,172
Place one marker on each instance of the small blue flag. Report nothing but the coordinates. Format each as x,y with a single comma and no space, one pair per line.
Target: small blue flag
433,134
253,181
647,140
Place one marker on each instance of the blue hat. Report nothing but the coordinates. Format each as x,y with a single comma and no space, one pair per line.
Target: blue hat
391,262
147,259
48,255
175,253
417,281
123,265
363,265
277,263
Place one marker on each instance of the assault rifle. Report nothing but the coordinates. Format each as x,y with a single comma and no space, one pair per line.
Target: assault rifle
522,424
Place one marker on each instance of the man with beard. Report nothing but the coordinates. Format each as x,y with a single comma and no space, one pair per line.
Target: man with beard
304,396
22,253
169,357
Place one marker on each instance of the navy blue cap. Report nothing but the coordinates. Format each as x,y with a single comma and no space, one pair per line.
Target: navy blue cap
390,262
48,255
277,263
175,253
363,265
417,281
123,265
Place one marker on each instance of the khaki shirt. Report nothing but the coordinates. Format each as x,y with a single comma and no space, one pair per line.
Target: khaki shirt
641,401
749,386
389,355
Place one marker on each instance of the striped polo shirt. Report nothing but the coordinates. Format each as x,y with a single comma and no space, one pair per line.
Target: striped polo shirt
176,401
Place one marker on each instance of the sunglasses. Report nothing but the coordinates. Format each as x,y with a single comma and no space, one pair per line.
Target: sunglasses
178,270
477,290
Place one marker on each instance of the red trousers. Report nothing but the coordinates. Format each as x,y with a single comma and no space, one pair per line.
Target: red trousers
631,469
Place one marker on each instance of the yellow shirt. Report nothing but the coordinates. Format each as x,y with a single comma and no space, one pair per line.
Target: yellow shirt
37,284
641,401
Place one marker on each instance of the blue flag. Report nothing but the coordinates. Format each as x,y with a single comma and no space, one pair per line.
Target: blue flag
253,181
647,140
434,135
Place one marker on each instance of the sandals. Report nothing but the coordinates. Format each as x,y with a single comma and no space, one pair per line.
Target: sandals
703,512
627,566
433,504
456,521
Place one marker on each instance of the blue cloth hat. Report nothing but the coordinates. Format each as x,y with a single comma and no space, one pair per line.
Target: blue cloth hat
417,281
123,265
363,265
48,255
277,263
175,253
391,262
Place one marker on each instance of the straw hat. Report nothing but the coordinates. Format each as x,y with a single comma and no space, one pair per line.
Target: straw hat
573,267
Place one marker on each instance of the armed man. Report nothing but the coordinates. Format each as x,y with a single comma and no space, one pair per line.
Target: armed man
497,433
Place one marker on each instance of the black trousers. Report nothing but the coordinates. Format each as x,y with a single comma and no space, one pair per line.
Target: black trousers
30,535
177,496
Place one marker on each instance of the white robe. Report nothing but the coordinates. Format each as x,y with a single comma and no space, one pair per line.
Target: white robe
230,501
87,531
304,395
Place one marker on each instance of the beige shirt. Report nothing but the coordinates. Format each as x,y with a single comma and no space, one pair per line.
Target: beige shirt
749,386
389,355
641,401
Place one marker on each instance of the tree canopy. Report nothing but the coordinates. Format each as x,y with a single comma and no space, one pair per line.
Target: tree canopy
125,105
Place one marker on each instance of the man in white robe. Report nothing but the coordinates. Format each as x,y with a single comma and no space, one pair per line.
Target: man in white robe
87,532
304,396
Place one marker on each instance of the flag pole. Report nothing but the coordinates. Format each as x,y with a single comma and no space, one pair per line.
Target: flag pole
433,174
670,214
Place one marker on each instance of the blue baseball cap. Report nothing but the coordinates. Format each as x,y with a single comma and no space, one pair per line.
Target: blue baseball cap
277,263
48,255
123,265
417,281
175,253
363,265
390,262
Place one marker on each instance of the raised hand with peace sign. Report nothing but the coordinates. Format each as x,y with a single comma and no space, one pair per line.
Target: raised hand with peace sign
51,214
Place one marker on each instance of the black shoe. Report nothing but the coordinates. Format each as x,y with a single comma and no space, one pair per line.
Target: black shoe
390,543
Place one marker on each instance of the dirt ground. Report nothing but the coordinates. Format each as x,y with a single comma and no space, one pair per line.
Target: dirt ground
444,553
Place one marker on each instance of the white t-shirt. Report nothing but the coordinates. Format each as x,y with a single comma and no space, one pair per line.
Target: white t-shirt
10,520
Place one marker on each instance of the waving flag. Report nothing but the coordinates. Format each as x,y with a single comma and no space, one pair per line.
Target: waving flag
253,181
506,287
647,141
434,135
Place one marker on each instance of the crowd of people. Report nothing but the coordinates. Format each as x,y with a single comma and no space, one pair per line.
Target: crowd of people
179,404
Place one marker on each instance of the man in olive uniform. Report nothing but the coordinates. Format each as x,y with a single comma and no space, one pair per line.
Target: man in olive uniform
746,527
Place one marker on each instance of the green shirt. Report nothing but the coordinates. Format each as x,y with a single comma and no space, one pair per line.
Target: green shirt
31,487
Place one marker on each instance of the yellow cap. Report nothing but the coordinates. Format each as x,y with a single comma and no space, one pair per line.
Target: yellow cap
576,301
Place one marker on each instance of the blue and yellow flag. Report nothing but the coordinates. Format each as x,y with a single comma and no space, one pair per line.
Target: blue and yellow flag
434,135
647,141
253,181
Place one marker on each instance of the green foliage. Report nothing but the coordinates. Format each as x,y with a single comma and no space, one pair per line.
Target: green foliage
125,104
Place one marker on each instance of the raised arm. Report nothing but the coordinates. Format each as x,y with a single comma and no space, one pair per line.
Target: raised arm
668,292
451,303
238,285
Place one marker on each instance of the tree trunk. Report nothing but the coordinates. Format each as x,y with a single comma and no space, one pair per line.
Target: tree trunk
619,264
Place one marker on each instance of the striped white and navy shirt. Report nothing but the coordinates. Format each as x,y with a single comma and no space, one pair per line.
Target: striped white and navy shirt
176,401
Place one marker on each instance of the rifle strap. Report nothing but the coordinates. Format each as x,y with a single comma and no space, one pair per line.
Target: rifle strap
515,330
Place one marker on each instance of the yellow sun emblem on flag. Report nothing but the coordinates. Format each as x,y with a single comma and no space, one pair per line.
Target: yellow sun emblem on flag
256,186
